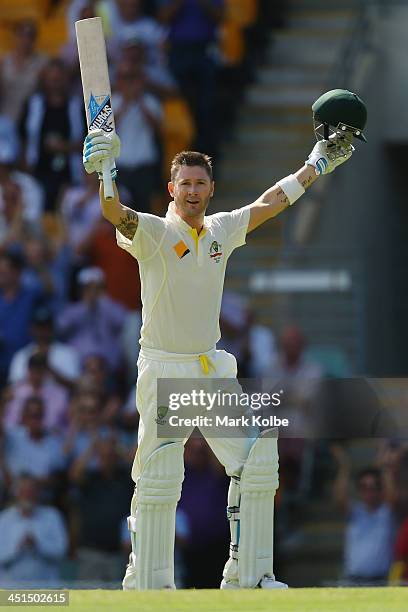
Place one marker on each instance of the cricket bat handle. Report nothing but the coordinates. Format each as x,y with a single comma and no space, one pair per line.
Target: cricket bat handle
107,180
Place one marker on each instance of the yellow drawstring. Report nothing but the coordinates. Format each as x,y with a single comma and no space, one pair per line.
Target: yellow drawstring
206,364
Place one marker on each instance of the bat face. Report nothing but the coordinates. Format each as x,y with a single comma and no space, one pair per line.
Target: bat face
96,86
100,114
95,75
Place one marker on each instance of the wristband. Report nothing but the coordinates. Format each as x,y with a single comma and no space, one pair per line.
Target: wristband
291,188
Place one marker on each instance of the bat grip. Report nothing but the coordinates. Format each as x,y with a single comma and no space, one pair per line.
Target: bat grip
107,180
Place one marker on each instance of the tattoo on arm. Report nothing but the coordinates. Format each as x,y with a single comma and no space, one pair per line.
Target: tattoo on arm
281,195
307,182
128,224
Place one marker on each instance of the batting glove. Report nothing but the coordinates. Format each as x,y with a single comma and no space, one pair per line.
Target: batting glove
328,154
99,146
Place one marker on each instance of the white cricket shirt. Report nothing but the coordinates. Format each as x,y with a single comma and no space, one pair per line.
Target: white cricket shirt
182,277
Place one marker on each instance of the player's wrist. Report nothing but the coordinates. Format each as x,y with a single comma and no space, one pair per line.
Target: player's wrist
291,187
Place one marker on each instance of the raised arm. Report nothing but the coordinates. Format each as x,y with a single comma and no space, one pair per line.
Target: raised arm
97,147
324,158
123,218
275,200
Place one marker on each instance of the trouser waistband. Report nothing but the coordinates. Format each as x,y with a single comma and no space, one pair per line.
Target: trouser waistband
157,355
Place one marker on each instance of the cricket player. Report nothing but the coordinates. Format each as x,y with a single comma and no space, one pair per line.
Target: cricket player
182,260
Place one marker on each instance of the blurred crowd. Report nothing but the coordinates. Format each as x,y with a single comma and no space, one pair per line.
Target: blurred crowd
70,299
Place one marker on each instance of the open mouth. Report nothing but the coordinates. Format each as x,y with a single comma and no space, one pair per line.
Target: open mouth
193,201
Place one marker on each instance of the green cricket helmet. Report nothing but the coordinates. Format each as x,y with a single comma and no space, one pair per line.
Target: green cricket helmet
341,111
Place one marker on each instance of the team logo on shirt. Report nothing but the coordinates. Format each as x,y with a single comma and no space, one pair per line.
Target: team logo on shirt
215,251
161,413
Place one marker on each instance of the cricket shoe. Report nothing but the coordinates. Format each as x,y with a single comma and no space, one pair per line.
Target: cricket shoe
267,582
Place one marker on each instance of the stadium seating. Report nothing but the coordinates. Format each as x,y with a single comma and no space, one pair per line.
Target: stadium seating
15,10
178,129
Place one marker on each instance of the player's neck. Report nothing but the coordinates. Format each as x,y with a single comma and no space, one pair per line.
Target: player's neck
194,222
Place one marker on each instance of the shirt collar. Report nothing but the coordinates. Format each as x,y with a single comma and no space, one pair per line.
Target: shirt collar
174,218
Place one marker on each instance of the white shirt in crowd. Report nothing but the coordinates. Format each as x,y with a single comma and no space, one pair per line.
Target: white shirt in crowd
39,563
62,358
138,143
39,458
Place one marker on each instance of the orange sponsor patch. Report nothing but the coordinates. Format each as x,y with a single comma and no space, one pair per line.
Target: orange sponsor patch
181,249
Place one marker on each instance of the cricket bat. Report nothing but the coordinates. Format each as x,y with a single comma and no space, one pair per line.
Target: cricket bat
96,86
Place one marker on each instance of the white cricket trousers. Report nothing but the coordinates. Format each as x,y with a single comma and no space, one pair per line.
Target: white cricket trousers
152,364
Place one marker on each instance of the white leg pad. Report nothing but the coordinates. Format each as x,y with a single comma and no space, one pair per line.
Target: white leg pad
251,556
152,524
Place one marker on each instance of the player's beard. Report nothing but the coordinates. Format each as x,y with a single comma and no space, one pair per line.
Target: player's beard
196,212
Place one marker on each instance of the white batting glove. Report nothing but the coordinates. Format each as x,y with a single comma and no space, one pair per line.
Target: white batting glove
328,154
99,146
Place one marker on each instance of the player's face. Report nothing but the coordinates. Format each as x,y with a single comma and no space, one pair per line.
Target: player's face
192,191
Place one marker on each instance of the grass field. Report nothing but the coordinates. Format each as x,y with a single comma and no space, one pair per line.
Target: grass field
293,600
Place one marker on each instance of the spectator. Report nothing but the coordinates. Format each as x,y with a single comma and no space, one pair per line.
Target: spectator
46,272
20,69
52,129
192,38
29,449
203,502
81,211
125,19
5,479
33,539
129,416
17,304
62,360
101,249
18,190
158,78
93,325
300,381
10,145
13,225
137,116
298,377
100,516
74,11
98,378
85,428
234,320
370,530
38,382
262,347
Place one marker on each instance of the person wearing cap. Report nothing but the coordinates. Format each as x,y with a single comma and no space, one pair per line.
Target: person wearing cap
182,260
92,326
62,359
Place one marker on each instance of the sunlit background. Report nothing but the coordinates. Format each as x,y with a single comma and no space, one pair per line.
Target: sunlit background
319,292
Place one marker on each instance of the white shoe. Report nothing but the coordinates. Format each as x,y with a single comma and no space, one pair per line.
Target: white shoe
267,582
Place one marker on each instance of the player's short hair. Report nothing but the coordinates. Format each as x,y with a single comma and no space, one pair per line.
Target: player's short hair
191,158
